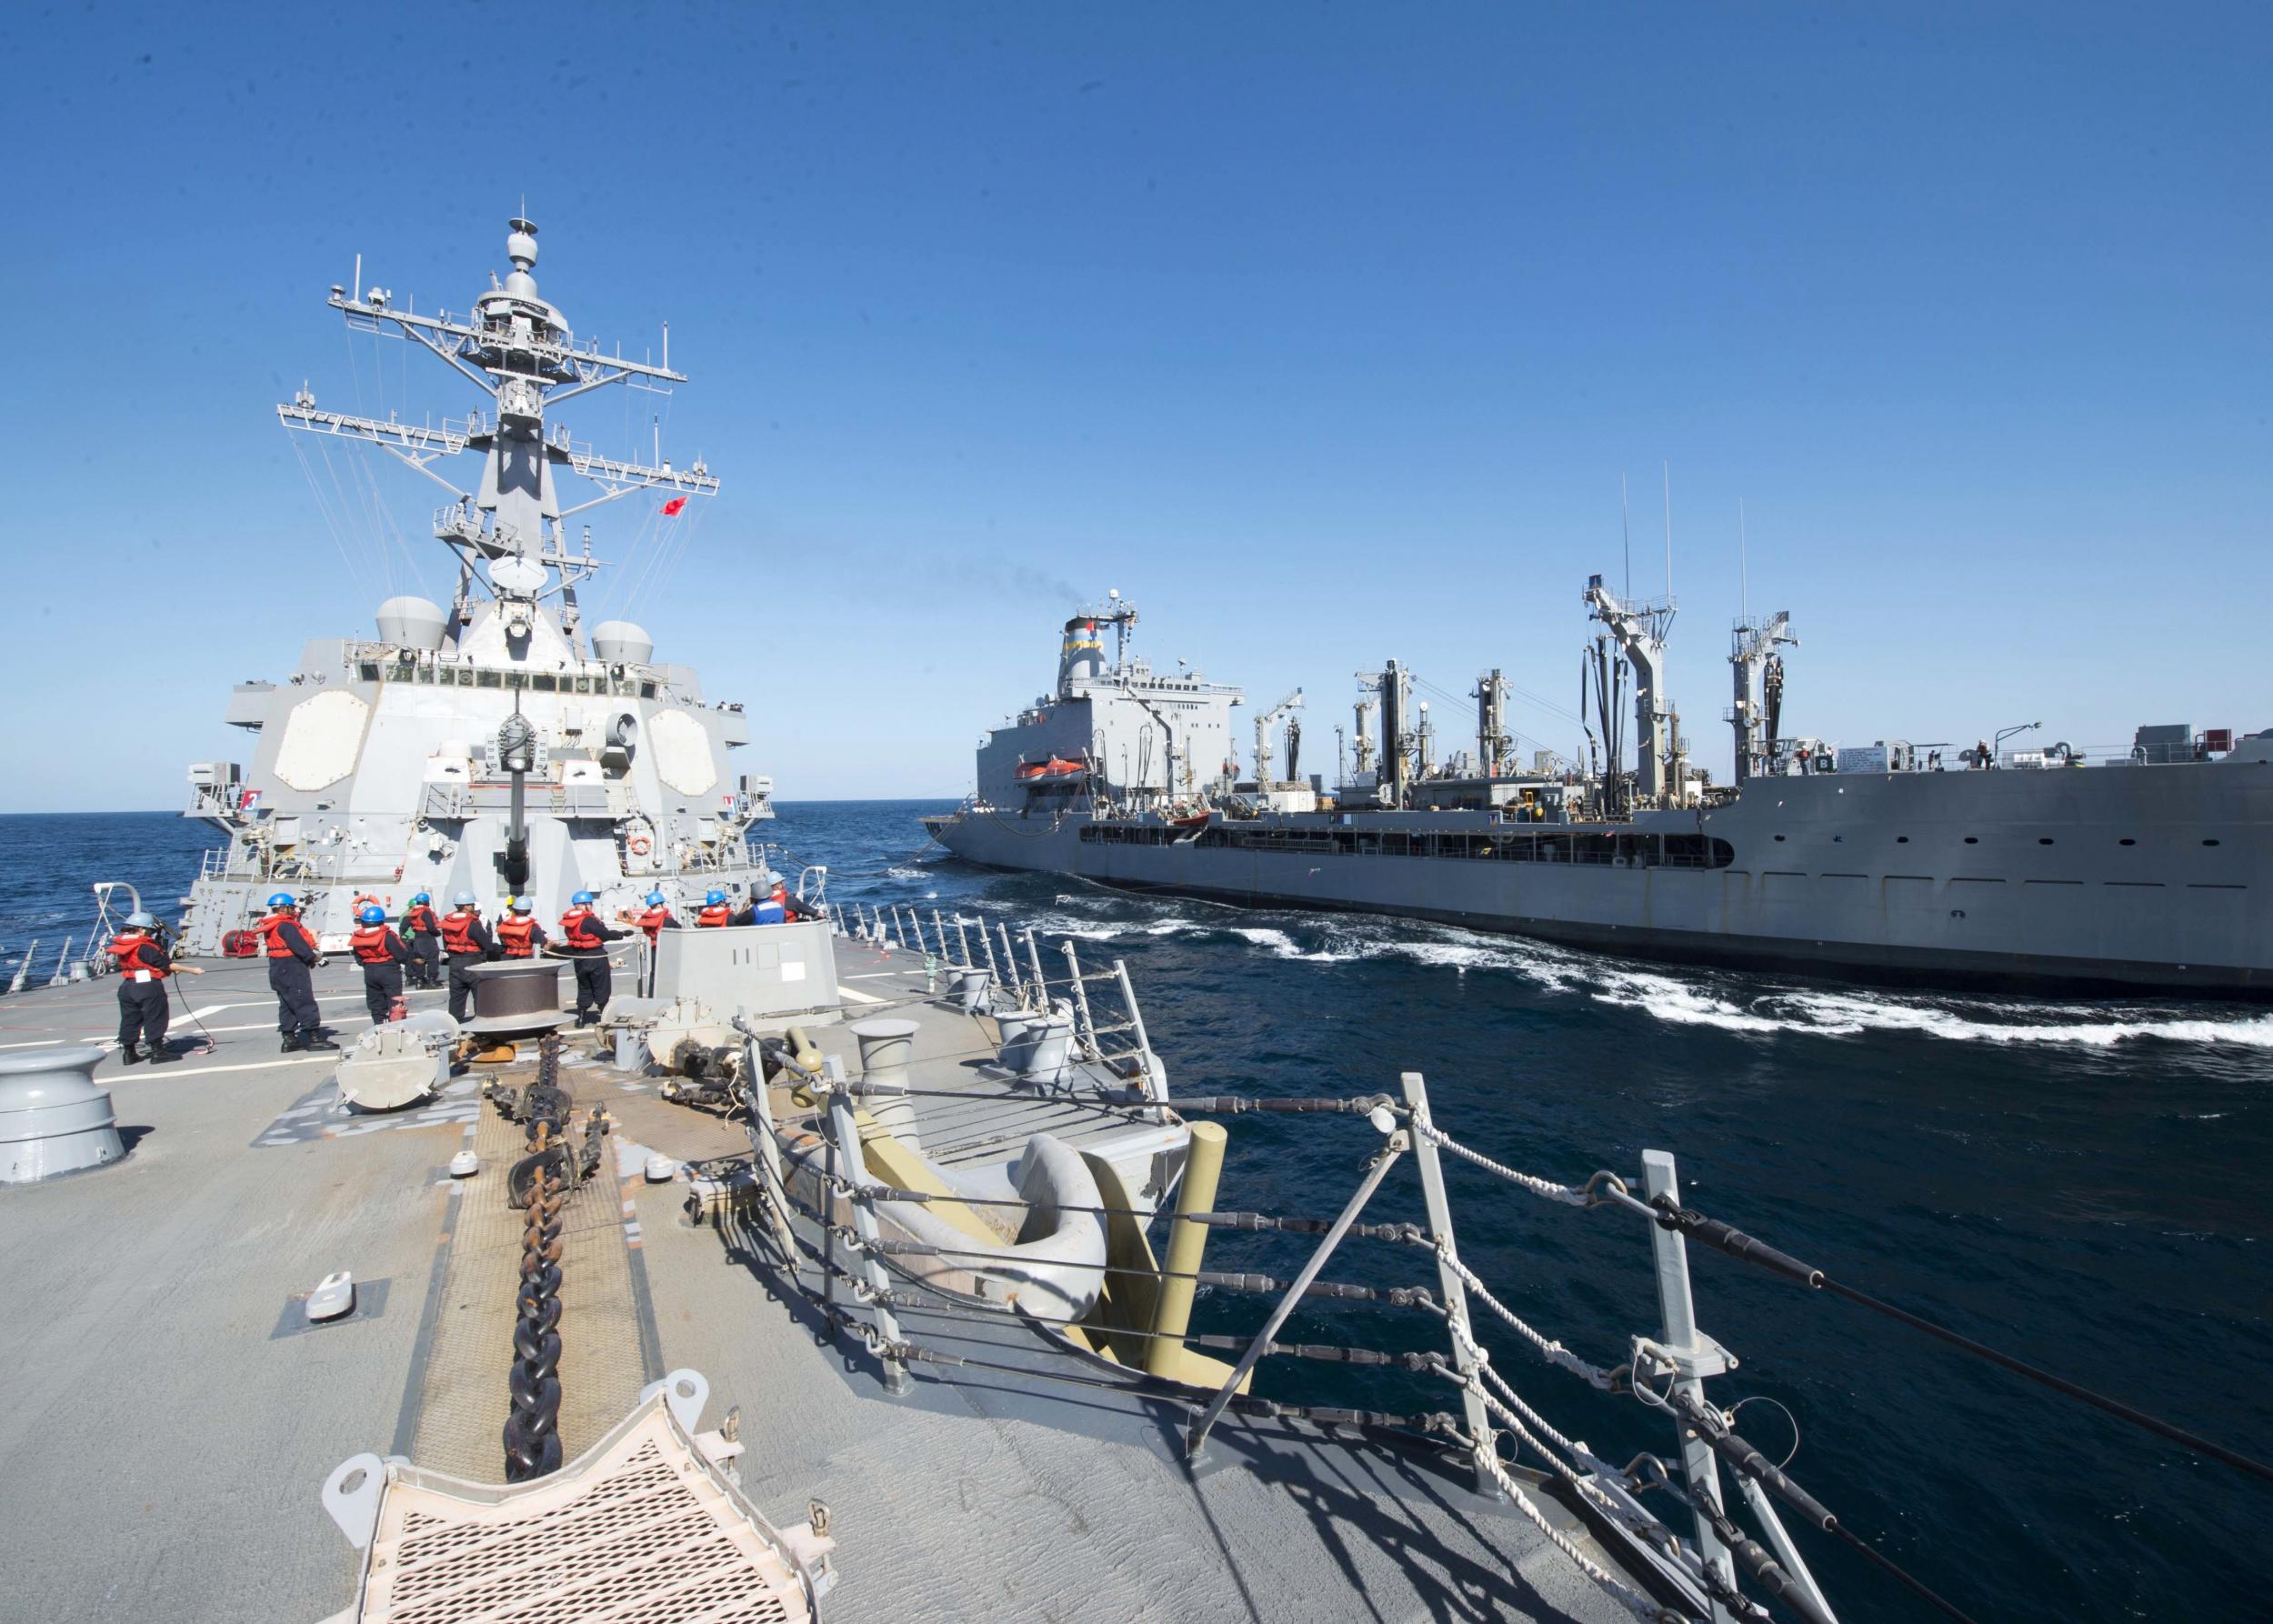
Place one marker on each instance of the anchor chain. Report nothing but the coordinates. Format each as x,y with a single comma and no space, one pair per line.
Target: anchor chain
541,1181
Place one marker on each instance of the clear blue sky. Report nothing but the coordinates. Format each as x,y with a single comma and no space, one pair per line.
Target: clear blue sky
1325,333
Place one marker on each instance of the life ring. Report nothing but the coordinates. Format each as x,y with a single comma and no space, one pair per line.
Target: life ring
639,845
366,900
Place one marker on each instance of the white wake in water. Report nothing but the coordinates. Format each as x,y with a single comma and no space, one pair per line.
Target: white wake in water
1694,1000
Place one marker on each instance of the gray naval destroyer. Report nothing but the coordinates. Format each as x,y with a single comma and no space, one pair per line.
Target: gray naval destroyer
498,747
1887,861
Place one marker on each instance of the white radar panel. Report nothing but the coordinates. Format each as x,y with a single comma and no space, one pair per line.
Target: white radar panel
515,574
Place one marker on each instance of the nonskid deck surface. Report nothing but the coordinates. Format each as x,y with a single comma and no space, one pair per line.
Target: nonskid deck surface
173,1414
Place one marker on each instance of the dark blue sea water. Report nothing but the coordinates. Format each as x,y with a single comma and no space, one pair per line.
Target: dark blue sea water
2078,1183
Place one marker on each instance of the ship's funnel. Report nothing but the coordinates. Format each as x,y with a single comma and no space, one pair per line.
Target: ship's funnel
411,623
621,643
1081,656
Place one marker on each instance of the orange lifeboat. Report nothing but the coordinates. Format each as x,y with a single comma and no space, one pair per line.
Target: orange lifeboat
1055,770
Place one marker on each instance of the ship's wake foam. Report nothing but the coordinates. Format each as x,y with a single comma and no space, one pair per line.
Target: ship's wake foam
1755,1006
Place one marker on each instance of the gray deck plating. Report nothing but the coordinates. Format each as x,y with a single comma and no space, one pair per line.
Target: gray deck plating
167,1449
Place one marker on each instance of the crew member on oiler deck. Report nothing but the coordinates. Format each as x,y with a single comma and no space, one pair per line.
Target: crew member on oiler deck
466,940
291,950
382,954
585,939
143,966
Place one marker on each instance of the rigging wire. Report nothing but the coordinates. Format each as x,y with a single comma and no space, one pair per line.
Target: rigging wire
1723,1237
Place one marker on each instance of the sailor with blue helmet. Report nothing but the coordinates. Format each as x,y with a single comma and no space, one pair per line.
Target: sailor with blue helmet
584,939
291,952
382,954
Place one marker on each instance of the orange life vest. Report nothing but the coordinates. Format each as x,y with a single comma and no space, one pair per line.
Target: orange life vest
370,944
517,933
126,947
715,915
457,930
272,932
654,920
576,926
420,920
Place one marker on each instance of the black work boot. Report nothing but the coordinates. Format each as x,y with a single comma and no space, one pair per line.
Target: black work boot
318,1040
129,1056
292,1043
162,1056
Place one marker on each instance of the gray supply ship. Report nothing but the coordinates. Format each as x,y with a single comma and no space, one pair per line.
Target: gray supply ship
1891,860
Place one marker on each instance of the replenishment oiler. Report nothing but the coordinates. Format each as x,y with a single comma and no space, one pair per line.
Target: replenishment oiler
819,1277
1891,860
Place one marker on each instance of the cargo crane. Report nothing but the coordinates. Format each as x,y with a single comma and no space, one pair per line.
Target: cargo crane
1491,739
1756,717
1640,629
1264,722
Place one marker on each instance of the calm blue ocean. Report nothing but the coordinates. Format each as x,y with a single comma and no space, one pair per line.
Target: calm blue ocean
2076,1182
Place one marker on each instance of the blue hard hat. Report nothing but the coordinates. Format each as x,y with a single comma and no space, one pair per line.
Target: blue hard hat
464,899
519,905
284,899
373,915
655,899
581,899
141,920
715,898
421,897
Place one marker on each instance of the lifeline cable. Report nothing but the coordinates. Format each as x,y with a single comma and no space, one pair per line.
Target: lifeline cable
1726,1239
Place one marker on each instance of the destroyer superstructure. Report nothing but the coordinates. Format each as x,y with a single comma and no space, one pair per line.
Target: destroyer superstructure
1886,860
499,746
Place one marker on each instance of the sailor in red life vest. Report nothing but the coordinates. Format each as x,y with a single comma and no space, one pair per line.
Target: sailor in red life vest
585,939
466,940
382,954
517,933
142,967
717,912
422,930
291,950
658,919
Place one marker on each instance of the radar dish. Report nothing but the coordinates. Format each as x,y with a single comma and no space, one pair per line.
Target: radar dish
517,575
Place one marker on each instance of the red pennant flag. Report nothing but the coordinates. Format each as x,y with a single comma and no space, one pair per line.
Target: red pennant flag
671,508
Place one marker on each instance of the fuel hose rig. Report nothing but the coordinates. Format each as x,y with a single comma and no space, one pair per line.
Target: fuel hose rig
539,1184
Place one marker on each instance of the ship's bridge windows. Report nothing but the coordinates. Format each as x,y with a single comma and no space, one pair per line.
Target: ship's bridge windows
545,682
584,684
516,680
646,690
425,675
368,670
488,679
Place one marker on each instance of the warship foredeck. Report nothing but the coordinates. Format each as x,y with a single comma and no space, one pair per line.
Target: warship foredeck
179,1413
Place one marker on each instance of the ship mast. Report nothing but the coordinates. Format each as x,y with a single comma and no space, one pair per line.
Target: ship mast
518,349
